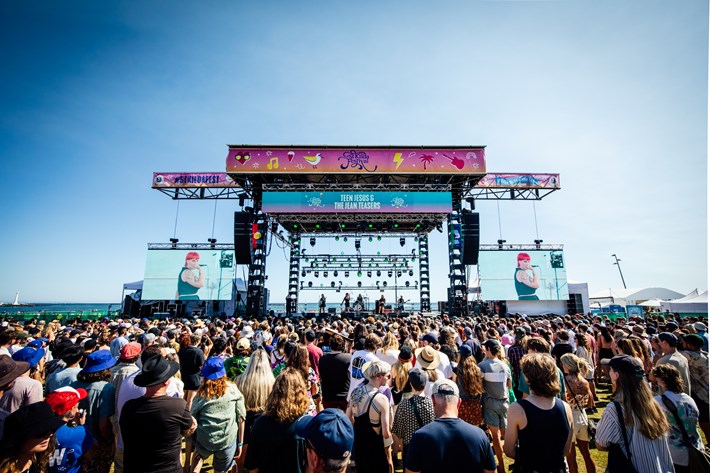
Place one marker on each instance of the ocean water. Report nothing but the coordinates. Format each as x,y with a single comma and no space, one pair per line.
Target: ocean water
61,307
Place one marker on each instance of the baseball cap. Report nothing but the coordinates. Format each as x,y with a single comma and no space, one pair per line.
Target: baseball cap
64,399
130,350
694,340
417,378
492,344
700,327
445,387
330,433
626,364
465,351
671,327
430,338
243,344
668,337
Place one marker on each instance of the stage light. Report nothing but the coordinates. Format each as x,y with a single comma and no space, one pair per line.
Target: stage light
359,274
402,241
369,225
439,228
347,274
317,226
406,283
399,274
337,238
335,273
359,284
174,242
389,274
411,273
537,243
310,283
384,283
332,283
369,274
357,243
379,237
500,244
315,273
212,242
370,239
342,225
325,274
303,273
312,241
241,200
345,239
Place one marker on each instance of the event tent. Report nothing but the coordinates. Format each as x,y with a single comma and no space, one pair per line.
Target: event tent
697,304
626,297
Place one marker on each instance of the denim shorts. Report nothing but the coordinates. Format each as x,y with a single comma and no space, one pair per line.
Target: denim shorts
223,459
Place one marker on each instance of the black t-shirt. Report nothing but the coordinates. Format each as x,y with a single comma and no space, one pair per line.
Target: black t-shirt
152,434
334,377
274,447
450,444
560,349
191,361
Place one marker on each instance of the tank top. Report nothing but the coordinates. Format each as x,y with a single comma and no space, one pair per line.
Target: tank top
369,449
542,441
524,291
185,290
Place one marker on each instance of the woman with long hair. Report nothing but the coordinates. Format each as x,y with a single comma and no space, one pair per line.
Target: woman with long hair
584,351
643,419
625,346
256,384
605,343
278,356
540,424
673,398
389,350
401,389
470,382
218,408
275,447
298,360
579,397
642,351
29,439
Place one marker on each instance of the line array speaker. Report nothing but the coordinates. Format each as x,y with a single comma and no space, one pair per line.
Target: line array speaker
470,228
242,237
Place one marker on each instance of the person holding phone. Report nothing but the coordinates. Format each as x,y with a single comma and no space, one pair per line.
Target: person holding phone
527,279
190,282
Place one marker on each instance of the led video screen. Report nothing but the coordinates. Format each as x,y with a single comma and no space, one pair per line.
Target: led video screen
512,275
188,275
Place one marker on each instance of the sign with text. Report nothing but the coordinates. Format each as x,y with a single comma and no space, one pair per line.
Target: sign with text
356,202
248,159
192,179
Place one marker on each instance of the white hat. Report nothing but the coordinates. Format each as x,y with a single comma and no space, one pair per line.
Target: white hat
700,327
247,332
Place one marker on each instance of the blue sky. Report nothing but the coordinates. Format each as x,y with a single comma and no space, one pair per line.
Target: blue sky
98,95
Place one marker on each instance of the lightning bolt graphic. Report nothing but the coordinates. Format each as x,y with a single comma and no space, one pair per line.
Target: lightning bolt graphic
398,159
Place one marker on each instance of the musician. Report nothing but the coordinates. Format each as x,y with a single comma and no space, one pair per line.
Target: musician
381,306
321,304
400,304
346,301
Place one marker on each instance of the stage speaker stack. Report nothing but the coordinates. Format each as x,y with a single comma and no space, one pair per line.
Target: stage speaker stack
242,237
470,229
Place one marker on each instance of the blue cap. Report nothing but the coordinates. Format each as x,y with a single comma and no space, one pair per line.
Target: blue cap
30,355
330,433
98,361
213,368
465,351
37,342
430,338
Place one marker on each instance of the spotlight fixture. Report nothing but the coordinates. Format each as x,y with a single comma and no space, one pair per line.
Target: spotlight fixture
347,274
537,243
389,274
406,283
500,244
174,242
313,241
359,284
384,283
369,274
303,273
325,274
212,242
310,283
379,273
370,239
379,237
315,273
411,273
439,228
357,243
332,283
402,241
335,273
345,239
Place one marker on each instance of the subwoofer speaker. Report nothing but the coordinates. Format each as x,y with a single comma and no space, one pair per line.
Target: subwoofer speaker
470,229
242,237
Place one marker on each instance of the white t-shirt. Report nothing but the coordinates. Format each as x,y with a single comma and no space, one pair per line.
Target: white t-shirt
359,359
444,365
390,356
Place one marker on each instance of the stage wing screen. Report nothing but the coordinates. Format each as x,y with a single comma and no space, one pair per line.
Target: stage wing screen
523,275
188,275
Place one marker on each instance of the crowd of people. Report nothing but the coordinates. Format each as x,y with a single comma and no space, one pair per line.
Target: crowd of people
376,394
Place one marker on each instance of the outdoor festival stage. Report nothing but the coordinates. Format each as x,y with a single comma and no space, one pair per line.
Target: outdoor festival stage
296,194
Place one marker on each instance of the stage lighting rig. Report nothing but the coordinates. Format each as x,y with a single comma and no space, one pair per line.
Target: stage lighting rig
174,242
212,242
313,241
402,241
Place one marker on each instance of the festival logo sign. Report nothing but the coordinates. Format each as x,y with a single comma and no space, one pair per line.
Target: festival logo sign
354,160
192,179
356,202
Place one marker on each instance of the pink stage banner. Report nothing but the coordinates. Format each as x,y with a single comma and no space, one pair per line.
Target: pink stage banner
248,159
522,181
192,179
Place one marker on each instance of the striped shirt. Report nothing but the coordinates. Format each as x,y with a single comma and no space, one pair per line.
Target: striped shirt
648,456
495,378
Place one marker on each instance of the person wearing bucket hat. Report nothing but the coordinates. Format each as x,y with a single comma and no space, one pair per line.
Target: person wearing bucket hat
31,444
9,371
329,440
153,425
643,417
219,411
100,406
35,357
73,439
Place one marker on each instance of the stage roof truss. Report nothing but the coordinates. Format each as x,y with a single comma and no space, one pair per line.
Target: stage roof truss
521,247
346,223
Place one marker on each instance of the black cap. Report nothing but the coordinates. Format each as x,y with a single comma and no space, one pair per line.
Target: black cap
668,337
626,364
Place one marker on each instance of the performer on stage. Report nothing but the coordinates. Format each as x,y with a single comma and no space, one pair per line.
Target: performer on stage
400,304
381,306
346,301
189,282
321,304
359,303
